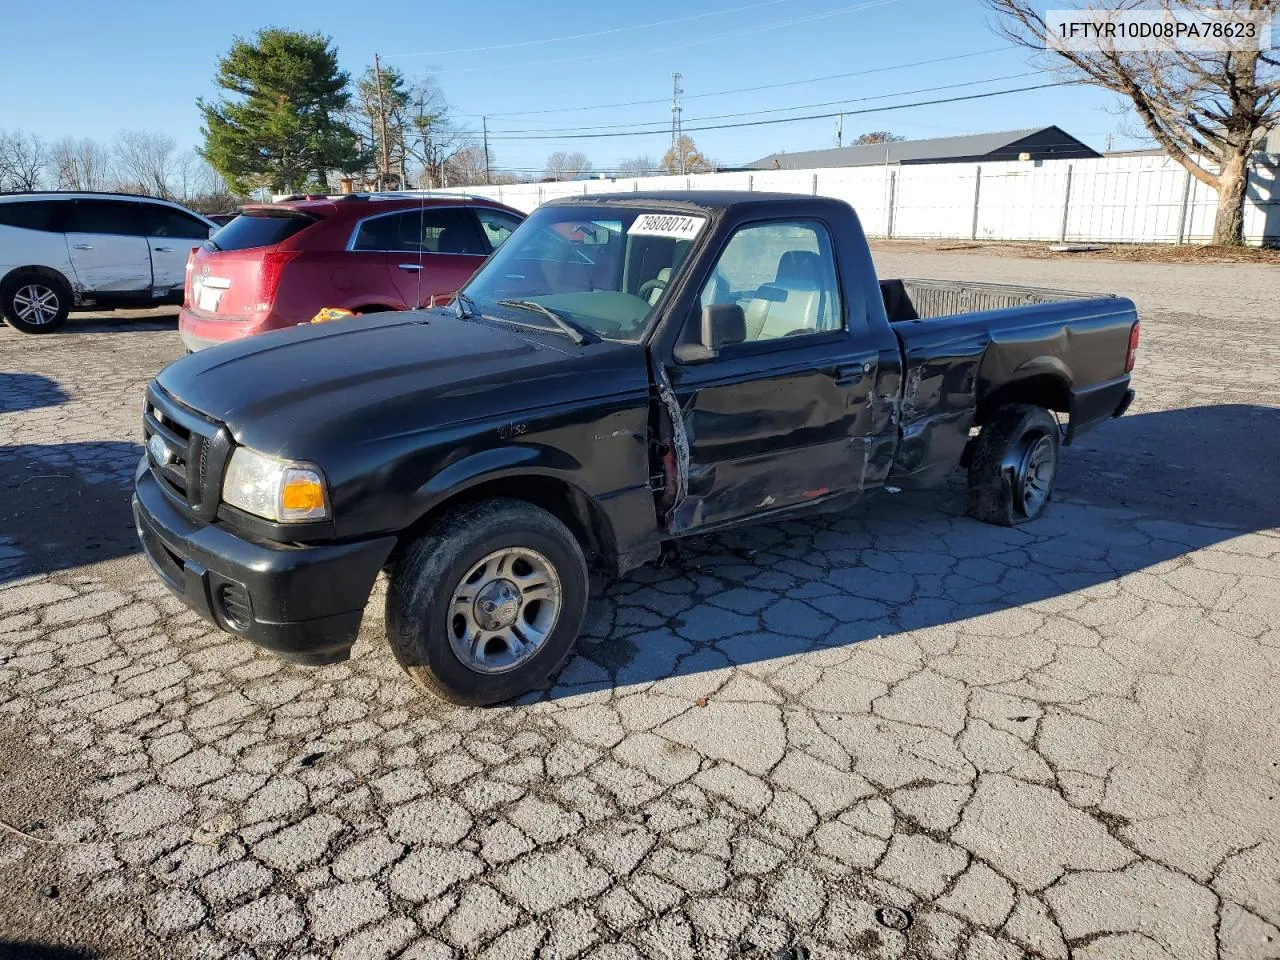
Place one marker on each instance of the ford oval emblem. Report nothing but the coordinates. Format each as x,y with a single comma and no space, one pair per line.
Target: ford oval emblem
160,451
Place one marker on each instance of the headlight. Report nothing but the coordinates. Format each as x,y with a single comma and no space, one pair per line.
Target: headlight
280,490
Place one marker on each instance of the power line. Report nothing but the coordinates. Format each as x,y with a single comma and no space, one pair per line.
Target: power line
659,125
763,86
812,116
594,33
676,46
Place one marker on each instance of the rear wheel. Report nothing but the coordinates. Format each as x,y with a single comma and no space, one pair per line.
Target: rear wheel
488,603
1014,465
35,303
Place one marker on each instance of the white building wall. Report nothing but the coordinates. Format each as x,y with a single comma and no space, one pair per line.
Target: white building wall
1138,199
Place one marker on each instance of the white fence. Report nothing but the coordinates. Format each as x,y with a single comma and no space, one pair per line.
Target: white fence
1113,199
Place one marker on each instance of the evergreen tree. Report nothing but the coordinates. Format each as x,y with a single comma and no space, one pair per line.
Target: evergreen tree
282,126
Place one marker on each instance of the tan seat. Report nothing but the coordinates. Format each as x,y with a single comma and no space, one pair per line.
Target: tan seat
792,303
663,276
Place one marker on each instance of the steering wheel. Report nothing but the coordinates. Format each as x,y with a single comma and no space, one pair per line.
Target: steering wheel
649,286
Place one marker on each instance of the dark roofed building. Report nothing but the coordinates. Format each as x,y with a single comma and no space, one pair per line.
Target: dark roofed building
1040,143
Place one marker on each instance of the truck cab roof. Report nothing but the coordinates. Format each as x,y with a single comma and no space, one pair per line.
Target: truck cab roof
707,201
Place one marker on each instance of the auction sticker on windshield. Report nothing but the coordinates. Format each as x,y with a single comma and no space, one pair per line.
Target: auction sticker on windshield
667,225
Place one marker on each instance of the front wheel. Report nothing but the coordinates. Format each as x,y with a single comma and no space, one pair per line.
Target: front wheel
34,303
487,603
1014,465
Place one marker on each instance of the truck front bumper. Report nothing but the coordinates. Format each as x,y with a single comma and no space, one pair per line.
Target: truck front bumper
303,603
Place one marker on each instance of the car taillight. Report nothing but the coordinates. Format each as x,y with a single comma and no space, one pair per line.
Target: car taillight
186,283
1132,357
269,276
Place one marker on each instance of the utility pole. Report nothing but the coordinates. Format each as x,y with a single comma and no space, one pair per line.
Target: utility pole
485,122
676,153
840,130
385,170
424,140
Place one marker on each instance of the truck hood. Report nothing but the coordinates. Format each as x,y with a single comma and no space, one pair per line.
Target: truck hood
291,392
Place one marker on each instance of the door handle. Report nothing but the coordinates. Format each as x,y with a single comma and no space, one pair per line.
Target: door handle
847,374
411,267
82,246
164,249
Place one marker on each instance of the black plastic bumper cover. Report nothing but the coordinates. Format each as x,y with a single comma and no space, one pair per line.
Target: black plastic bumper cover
1096,405
301,602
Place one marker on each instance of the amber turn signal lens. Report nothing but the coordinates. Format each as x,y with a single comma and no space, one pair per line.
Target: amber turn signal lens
303,496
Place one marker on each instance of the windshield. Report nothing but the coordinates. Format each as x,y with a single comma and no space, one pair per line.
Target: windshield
599,268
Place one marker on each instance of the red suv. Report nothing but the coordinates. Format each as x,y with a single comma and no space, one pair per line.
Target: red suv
279,264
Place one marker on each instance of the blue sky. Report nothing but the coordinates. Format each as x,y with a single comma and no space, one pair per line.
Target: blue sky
141,64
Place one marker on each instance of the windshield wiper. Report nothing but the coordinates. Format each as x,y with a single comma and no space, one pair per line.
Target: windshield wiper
575,331
464,307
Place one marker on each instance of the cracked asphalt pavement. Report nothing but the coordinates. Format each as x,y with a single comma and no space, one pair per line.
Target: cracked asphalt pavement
894,732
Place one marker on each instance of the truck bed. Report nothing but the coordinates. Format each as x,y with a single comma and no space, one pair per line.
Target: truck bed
915,299
969,347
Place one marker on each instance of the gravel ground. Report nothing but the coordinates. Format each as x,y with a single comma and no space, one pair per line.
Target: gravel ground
892,733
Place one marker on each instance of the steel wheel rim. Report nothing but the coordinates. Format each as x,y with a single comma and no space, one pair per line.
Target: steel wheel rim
1035,474
36,304
503,610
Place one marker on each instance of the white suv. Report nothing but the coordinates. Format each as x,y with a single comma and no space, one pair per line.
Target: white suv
91,251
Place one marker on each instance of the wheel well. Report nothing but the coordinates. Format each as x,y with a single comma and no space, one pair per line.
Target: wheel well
585,520
1043,390
36,270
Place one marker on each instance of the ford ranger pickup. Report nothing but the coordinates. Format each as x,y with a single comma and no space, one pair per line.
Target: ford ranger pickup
625,371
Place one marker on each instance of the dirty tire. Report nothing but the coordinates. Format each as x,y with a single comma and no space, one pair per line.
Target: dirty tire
20,286
996,469
422,585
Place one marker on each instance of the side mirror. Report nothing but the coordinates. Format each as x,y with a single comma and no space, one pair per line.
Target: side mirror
722,324
719,325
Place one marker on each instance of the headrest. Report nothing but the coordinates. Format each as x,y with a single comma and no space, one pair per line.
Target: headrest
799,268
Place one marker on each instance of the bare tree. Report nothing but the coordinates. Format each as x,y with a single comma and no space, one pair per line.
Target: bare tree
430,137
23,161
81,164
567,165
465,167
641,166
1209,111
878,136
145,161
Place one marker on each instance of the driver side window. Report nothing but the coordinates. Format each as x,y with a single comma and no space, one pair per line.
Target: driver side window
784,277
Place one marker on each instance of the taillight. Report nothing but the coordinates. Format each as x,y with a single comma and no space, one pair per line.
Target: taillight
269,275
186,283
1132,357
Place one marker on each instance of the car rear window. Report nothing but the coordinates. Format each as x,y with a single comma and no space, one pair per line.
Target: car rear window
258,230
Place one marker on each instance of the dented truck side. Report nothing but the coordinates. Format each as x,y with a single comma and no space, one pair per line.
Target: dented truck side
556,445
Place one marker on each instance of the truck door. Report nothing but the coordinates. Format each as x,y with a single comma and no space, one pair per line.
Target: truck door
783,418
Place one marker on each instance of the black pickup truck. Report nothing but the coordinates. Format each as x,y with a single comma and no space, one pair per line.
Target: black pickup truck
625,371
